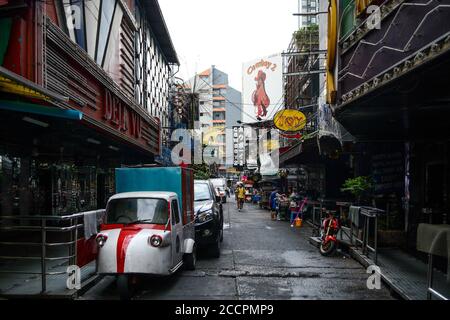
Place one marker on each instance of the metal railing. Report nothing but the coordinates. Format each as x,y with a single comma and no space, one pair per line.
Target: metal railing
370,226
368,214
45,225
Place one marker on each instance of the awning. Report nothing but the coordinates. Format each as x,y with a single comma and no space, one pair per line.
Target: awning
26,107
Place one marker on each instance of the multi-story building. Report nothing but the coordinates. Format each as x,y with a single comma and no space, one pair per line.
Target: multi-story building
219,109
84,88
304,7
318,152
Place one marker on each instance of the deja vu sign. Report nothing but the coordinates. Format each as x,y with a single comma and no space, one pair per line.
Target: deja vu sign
262,88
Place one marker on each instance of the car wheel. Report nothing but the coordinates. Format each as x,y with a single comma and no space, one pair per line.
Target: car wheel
124,287
190,259
215,248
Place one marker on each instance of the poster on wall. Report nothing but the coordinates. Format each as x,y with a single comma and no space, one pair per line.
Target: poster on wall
262,88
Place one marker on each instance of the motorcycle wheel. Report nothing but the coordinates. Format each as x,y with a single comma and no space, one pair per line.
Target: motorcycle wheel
327,249
124,287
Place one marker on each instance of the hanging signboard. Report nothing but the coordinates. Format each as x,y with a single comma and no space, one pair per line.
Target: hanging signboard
238,147
262,88
289,120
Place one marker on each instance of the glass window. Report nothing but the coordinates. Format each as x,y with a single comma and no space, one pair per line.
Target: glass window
106,18
80,36
202,192
175,212
91,14
145,210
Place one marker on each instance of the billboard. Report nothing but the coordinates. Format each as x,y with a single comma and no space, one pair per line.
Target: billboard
262,88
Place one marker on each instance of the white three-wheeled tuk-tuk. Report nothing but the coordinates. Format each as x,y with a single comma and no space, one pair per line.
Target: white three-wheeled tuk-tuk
148,228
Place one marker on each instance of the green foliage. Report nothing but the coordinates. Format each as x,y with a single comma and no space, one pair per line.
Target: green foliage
201,171
357,186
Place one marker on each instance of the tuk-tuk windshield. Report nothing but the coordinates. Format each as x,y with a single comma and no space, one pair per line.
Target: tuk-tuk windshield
132,210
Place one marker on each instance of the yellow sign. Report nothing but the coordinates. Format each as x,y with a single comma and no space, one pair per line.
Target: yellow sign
289,120
10,86
331,51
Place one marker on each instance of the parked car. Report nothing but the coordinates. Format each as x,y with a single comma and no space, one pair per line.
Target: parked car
220,186
208,217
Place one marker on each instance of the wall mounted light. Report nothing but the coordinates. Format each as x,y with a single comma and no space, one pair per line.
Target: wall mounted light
36,122
90,140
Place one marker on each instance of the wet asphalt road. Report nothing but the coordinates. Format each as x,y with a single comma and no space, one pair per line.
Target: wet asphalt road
260,259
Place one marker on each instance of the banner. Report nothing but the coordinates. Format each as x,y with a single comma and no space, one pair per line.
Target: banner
238,147
262,88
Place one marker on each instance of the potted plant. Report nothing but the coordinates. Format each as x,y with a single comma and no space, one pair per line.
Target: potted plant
359,187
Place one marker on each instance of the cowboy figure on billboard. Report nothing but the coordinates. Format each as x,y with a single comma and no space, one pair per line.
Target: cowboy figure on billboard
259,97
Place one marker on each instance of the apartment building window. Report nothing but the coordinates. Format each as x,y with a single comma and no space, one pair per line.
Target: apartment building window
219,116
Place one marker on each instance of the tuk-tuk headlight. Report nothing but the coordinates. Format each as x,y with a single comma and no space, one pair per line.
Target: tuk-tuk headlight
204,216
155,241
101,239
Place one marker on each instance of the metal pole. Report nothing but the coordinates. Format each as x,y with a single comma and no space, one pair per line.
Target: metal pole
376,239
430,275
364,235
258,161
71,245
43,254
75,244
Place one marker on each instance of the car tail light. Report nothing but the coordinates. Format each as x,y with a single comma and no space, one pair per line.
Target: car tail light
101,239
155,241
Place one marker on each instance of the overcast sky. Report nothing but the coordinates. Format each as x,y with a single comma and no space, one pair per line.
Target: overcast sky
227,33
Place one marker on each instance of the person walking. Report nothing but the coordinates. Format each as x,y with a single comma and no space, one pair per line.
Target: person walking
240,193
273,203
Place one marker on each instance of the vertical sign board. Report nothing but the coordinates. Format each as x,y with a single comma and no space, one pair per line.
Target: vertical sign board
262,88
238,147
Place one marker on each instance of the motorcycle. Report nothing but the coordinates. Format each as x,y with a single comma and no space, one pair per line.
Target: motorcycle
330,230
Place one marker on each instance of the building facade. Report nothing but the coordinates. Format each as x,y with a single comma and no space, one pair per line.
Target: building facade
391,96
84,88
219,110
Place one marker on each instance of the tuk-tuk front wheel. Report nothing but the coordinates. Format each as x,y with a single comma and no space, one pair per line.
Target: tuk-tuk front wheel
190,259
124,286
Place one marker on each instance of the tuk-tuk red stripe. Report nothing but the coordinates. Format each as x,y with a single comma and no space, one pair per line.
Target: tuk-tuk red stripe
123,241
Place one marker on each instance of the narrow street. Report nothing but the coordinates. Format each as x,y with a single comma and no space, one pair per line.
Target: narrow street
261,259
